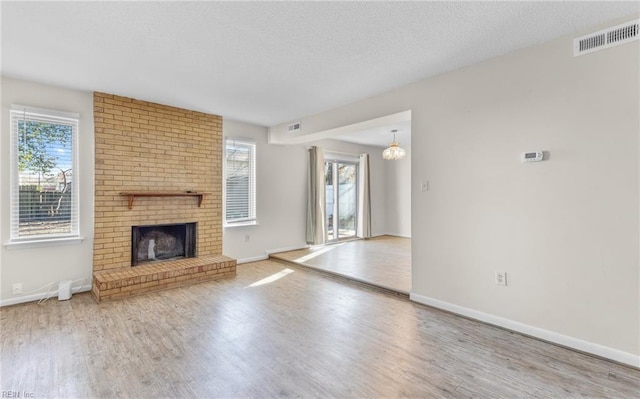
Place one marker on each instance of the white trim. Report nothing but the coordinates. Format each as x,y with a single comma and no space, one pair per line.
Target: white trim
44,112
341,156
546,335
252,218
285,249
390,234
241,224
37,297
252,259
49,242
269,252
17,113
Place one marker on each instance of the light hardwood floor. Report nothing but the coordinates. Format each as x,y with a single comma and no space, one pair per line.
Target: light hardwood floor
381,261
283,331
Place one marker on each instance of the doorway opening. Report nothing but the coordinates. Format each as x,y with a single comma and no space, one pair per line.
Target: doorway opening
341,184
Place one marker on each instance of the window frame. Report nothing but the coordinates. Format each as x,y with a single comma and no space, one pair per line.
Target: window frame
17,113
252,219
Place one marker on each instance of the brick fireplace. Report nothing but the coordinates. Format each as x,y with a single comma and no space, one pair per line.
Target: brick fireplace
155,165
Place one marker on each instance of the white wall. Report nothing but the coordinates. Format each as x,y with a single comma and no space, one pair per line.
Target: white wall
398,180
281,197
36,267
565,230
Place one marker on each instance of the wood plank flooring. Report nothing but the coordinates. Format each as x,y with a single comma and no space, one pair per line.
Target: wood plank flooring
283,331
381,261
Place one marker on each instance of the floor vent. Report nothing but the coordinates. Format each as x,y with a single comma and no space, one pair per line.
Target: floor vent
606,38
294,127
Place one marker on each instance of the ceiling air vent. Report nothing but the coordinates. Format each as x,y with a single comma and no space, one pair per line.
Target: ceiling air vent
606,38
294,127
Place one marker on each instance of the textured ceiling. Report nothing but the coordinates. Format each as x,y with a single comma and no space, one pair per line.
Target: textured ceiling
271,62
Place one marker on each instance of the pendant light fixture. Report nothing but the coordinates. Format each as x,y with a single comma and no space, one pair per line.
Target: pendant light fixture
394,152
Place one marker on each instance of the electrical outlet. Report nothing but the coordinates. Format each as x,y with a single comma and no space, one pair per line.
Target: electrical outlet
501,278
17,288
247,238
425,186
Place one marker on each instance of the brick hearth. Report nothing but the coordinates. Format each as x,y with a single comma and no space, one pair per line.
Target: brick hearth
160,276
147,147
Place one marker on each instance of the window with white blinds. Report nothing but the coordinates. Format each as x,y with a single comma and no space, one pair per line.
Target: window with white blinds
44,191
240,182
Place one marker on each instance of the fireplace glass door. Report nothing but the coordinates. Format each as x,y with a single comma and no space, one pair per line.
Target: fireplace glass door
162,242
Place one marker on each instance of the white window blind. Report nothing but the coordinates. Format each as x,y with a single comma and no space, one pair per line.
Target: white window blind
44,193
240,182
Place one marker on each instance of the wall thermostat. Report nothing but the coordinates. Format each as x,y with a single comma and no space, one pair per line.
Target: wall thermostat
533,156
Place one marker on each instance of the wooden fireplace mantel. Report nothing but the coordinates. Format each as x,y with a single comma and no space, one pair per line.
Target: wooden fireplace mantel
133,194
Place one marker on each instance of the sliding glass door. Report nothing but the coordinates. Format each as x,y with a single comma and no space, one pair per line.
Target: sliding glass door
342,199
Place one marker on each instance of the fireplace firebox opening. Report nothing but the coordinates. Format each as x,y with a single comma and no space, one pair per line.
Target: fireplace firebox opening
162,242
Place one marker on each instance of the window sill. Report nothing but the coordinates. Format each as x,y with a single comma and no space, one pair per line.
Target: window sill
243,224
49,242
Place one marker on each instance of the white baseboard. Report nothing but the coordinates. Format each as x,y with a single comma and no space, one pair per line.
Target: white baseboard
546,335
252,259
390,234
269,252
39,296
286,249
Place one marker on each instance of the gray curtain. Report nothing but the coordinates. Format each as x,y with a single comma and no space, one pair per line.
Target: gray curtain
316,198
364,198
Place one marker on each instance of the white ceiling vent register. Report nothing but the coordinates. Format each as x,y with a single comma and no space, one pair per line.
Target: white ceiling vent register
294,127
606,38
